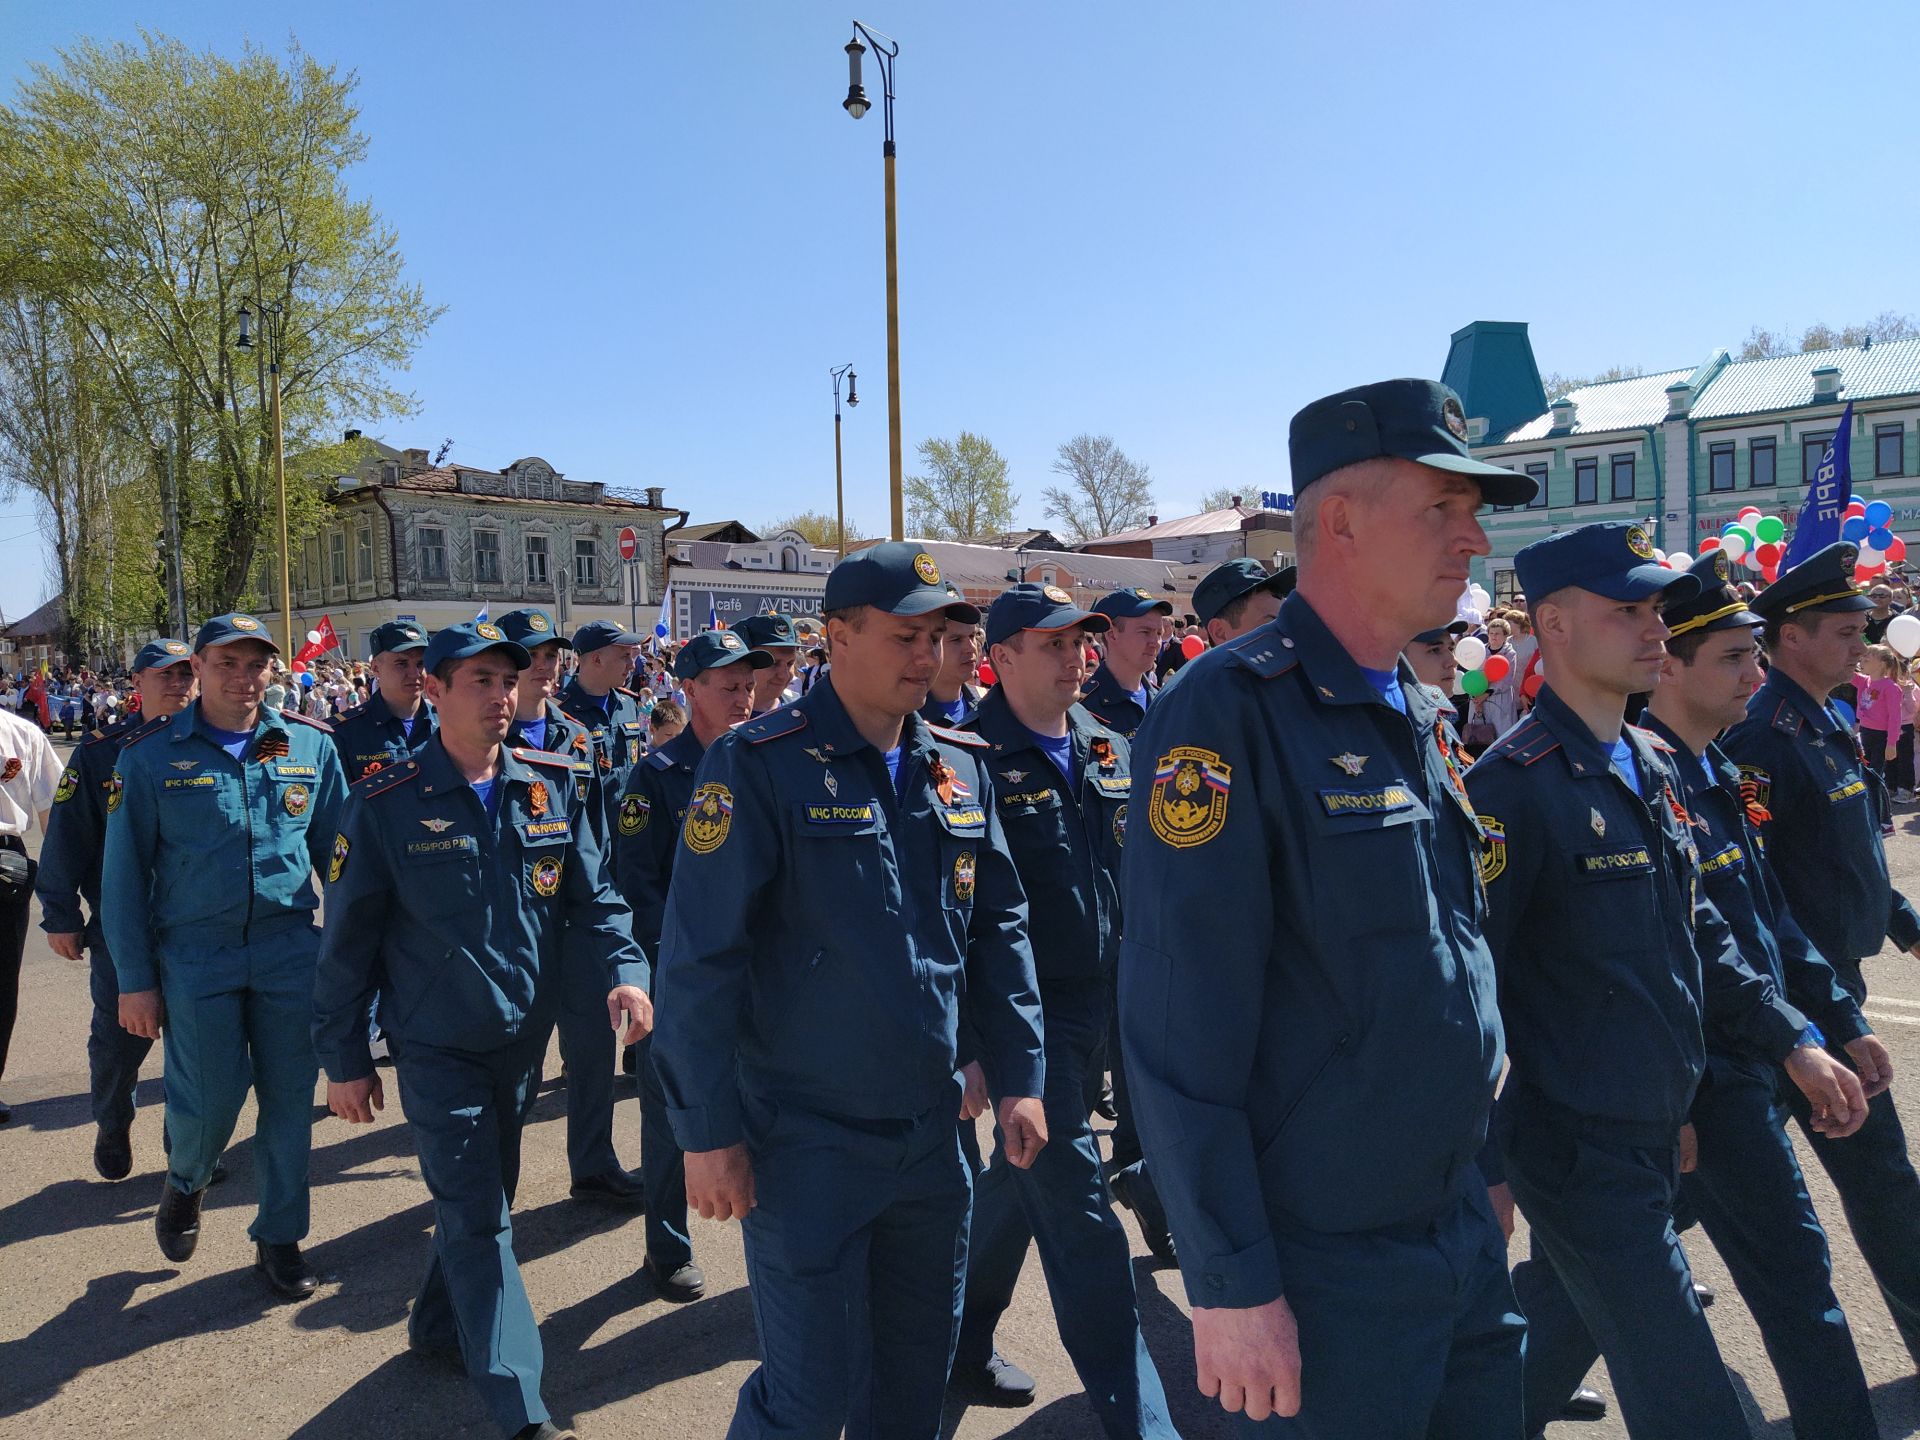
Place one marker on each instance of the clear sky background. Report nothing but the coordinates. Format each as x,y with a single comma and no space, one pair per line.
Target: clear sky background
656,230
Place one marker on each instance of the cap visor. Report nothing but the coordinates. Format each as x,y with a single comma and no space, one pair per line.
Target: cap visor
404,646
165,660
516,652
1644,580
235,638
925,602
1498,486
754,659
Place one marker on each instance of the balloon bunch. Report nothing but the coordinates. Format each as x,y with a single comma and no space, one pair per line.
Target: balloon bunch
1755,540
1482,671
1903,634
1870,526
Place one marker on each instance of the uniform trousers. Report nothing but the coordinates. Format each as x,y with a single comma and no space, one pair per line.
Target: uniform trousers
241,1014
590,1050
663,1170
16,908
467,1109
1062,1201
1607,1268
114,1056
856,1258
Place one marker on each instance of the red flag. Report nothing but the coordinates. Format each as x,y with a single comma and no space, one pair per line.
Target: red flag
328,641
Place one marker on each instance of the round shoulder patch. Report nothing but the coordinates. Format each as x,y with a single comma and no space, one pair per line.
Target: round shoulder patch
709,818
1638,542
1188,803
924,567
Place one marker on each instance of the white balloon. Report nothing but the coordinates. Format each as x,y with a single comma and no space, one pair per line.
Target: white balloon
1659,556
1470,653
1870,557
1903,634
1733,546
313,637
1479,594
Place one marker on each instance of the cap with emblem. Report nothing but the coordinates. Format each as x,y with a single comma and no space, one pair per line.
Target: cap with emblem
395,636
1718,606
1613,558
898,578
1434,637
457,642
158,654
225,629
711,649
1227,583
763,632
1417,420
1130,604
531,627
1038,607
598,634
1821,583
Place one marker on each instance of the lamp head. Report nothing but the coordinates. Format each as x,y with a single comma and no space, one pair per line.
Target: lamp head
246,333
853,395
856,103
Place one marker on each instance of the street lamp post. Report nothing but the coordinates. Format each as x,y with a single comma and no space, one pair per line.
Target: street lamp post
885,49
273,331
839,482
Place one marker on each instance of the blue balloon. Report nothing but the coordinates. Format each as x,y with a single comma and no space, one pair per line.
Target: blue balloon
1855,529
1879,515
660,629
1880,540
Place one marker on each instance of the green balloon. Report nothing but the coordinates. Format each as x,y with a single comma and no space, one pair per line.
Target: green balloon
1770,529
1474,682
1745,534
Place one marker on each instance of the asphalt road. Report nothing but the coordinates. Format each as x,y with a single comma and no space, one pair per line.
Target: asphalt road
99,1335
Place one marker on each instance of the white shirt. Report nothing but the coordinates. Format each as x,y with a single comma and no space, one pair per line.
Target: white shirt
29,774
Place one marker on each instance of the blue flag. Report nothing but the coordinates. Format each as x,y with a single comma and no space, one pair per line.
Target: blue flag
1829,488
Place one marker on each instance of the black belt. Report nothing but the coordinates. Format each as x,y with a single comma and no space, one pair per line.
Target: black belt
13,842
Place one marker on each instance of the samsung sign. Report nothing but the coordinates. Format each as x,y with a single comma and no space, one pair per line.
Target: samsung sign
1276,500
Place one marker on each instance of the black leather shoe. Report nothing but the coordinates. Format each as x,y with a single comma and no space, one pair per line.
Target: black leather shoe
219,1176
1144,1202
6,1112
113,1151
1704,1294
1586,1404
612,1187
998,1382
545,1430
680,1284
177,1222
285,1268
1104,1106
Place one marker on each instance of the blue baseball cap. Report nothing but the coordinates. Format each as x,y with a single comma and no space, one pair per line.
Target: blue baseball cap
158,654
1131,604
225,629
898,578
530,627
1613,558
1226,583
711,649
598,634
762,631
474,637
1038,607
395,636
1823,582
1417,420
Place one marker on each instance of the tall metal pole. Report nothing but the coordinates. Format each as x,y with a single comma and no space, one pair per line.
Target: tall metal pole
280,485
895,494
170,513
839,490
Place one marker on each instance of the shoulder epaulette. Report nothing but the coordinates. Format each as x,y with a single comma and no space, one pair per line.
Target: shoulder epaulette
1264,651
1788,720
159,722
543,757
294,715
125,726
659,760
1652,739
630,694
772,725
352,712
958,737
1524,744
376,782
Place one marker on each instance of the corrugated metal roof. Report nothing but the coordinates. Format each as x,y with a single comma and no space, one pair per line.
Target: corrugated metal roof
1610,405
1210,522
987,565
1749,387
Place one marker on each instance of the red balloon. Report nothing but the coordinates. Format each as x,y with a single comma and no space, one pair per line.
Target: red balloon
1861,574
1770,573
1856,507
1497,668
1530,687
299,667
987,675
1192,646
1896,550
1710,544
1769,555
1753,510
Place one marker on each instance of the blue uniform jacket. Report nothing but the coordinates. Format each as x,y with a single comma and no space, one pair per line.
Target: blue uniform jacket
370,737
463,924
1114,707
206,849
1306,1002
647,830
1822,829
1066,836
617,731
822,931
1741,883
1613,962
76,840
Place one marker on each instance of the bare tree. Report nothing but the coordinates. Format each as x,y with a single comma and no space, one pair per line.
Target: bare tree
1218,498
1105,491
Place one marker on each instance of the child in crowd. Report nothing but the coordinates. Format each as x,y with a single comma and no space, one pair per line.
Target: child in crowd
1878,704
667,721
1903,775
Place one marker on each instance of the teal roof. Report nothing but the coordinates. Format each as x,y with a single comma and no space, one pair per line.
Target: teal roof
1490,366
1750,387
1611,405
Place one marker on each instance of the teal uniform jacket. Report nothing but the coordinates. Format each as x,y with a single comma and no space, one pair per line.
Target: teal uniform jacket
822,929
463,924
647,830
72,854
618,732
206,849
1306,999
1115,707
1823,822
370,737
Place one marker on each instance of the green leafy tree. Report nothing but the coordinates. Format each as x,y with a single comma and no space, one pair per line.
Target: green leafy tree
964,494
821,529
1218,498
1105,491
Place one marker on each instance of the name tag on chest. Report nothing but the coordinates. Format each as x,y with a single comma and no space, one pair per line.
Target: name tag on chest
1846,790
1602,864
1387,800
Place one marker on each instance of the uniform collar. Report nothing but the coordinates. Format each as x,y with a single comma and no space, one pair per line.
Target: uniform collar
1585,754
378,709
995,721
1105,679
578,692
188,723
1334,674
1724,771
438,773
1781,689
838,736
685,748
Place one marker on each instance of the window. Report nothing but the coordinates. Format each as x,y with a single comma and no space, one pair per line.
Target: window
486,557
1539,474
1889,450
1762,464
1506,587
363,553
1622,470
337,554
537,560
433,553
1720,468
1586,482
1813,449
310,563
586,565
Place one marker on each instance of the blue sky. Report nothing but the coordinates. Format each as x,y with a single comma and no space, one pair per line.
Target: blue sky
656,230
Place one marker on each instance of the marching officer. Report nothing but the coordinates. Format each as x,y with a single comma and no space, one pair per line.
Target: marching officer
395,721
1123,687
718,671
1313,1079
217,820
70,872
484,848
842,881
1060,783
955,690
1821,807
774,637
598,698
1238,596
